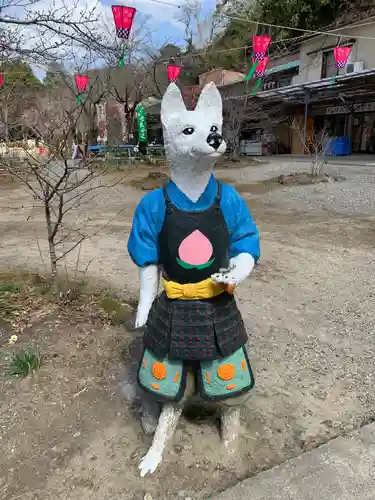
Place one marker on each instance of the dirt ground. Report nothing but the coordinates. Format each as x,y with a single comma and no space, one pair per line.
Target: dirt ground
67,433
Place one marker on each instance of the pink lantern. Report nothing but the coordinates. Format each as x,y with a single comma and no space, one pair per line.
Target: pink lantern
1,79
261,66
123,17
81,82
341,55
260,46
173,72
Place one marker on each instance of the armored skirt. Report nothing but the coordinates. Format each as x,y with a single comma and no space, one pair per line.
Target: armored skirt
195,329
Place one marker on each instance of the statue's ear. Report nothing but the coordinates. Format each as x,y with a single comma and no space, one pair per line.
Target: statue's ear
172,102
210,100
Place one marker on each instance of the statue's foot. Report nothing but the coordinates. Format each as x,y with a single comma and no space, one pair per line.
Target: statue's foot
150,462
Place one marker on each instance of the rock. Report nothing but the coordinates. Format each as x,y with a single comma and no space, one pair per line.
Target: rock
147,497
158,176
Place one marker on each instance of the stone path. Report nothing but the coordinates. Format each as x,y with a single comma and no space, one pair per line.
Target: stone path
343,469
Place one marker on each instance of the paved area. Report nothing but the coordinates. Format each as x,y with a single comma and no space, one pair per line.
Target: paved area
354,160
340,470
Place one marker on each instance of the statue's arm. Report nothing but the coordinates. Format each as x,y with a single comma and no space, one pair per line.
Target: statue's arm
149,277
244,239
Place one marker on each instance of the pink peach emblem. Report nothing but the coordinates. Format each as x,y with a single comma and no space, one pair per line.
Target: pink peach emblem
195,249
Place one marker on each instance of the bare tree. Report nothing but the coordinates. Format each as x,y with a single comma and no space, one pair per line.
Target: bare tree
237,109
7,107
316,145
190,15
234,116
33,31
97,93
127,87
60,189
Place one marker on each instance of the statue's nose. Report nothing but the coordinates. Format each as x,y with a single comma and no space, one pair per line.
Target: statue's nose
214,140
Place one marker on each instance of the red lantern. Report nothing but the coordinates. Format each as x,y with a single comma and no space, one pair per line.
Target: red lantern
123,17
260,46
173,72
81,82
341,55
261,66
1,79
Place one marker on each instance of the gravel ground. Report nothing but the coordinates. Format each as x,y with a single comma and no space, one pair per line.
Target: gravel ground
309,307
353,196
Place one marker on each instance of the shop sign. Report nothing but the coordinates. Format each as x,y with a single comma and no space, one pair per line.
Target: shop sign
337,110
366,107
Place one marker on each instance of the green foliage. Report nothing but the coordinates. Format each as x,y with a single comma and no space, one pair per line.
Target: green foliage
305,14
53,77
25,362
19,75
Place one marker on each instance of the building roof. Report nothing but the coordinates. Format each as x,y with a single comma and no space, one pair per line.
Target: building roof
353,85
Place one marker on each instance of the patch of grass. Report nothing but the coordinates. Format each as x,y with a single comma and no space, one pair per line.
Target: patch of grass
8,287
8,293
117,313
25,362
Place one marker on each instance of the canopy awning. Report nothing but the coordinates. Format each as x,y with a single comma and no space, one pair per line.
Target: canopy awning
352,84
282,67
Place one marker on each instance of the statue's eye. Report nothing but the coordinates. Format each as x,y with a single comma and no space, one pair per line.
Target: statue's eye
214,129
188,131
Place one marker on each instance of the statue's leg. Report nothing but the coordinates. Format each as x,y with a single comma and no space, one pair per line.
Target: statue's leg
166,427
165,430
150,413
230,427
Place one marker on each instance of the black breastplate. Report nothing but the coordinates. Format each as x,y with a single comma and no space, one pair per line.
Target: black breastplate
193,245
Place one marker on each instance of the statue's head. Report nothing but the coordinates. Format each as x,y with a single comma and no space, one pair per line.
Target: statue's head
193,136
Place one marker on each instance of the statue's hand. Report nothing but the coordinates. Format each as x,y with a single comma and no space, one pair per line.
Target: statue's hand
226,278
141,318
239,269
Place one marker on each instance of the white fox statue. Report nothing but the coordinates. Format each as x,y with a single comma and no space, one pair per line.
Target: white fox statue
198,235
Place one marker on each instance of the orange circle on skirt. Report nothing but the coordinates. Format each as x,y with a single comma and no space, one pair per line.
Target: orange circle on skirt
226,372
159,371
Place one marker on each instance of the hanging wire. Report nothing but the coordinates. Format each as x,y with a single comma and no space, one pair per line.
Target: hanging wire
246,47
302,30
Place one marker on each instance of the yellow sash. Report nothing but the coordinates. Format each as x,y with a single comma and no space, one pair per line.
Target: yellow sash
193,291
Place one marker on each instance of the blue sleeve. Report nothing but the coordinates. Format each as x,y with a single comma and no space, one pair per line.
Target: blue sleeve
244,235
147,223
